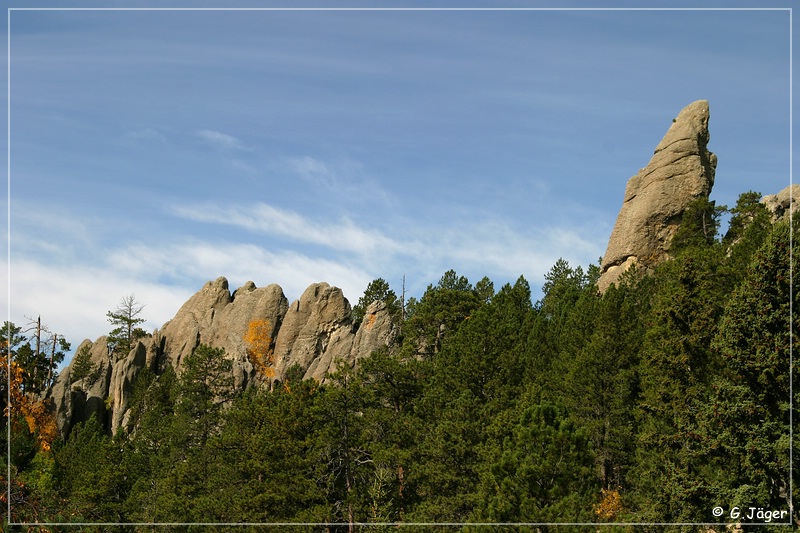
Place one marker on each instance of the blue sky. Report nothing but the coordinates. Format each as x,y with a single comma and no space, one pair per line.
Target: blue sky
152,151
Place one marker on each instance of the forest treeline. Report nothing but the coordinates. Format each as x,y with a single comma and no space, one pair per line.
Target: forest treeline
664,400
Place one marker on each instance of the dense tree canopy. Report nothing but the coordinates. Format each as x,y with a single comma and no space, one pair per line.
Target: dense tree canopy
661,399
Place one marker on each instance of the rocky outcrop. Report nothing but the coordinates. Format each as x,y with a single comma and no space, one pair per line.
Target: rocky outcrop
681,170
215,317
77,401
378,330
314,333
123,379
783,204
318,331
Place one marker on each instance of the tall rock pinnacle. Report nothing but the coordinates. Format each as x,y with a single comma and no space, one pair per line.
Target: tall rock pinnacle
681,170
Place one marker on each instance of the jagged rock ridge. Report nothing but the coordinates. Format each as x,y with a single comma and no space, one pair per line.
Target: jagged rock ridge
314,332
681,170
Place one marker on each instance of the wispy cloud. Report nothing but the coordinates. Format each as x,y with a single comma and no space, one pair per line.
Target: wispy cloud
495,249
314,171
342,235
346,180
220,140
488,246
72,279
74,296
195,261
51,231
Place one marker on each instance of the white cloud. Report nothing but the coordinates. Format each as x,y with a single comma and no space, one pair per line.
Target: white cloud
73,300
244,167
493,248
220,140
35,226
314,171
343,235
71,279
490,247
199,261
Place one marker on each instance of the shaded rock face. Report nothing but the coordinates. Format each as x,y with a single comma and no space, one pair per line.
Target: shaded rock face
77,402
681,170
314,332
123,378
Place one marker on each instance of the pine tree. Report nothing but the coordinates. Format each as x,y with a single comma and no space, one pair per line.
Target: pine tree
560,325
438,314
174,424
39,355
125,319
153,440
670,475
91,475
205,386
344,458
746,420
82,367
543,472
471,384
377,291
392,390
699,225
267,468
750,216
601,380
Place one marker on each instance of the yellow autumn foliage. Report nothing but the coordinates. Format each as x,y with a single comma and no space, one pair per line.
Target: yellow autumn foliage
258,343
610,505
35,413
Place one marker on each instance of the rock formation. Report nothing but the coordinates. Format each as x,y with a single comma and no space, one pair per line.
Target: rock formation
215,317
313,333
77,402
317,329
123,378
784,203
681,170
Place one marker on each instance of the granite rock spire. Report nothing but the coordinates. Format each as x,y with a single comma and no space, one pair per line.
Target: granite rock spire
680,171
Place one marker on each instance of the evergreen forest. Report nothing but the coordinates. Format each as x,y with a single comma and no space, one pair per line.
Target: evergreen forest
664,400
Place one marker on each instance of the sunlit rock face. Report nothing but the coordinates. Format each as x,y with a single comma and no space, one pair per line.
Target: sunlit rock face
783,204
315,333
680,171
